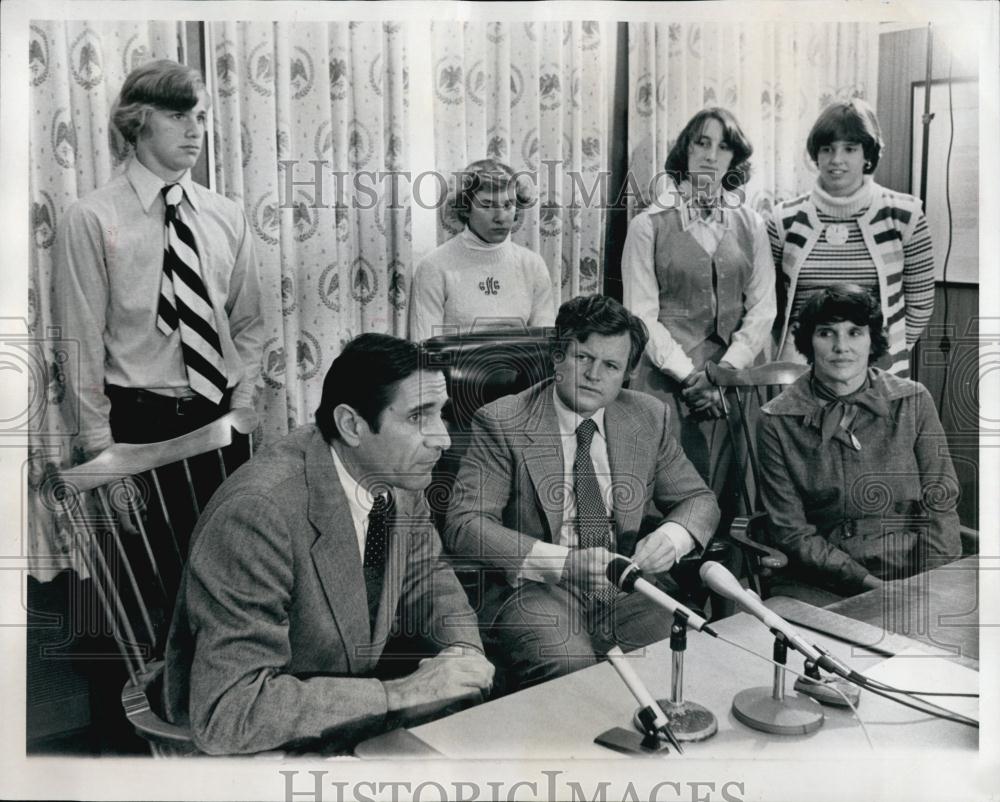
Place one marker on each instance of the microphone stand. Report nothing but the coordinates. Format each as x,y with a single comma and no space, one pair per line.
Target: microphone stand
767,709
689,721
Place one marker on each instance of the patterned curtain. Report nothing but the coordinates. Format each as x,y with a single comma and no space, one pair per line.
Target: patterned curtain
306,115
76,71
531,94
775,77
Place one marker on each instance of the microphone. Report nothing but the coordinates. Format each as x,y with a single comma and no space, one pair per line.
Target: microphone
651,714
626,575
720,580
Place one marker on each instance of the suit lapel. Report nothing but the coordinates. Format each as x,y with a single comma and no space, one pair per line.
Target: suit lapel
543,457
630,458
335,554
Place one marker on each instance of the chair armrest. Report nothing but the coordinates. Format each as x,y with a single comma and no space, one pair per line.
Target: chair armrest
135,701
768,557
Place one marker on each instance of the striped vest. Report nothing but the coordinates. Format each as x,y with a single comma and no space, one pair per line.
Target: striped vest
886,225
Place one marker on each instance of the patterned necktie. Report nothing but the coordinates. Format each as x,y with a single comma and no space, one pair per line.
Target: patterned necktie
375,551
593,529
184,304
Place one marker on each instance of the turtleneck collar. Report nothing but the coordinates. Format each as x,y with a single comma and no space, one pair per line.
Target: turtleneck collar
848,206
473,243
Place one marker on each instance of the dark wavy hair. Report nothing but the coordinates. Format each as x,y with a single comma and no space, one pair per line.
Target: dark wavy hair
493,176
848,121
738,173
161,84
365,376
838,303
584,315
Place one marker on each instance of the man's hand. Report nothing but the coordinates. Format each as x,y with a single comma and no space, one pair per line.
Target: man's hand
701,395
587,568
456,674
655,553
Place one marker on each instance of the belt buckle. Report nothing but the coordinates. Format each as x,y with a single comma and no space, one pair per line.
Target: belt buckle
181,404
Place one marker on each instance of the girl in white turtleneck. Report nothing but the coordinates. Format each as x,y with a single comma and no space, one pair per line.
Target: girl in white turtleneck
850,229
480,280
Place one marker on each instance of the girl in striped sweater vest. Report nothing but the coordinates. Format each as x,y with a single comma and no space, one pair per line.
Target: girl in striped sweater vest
851,229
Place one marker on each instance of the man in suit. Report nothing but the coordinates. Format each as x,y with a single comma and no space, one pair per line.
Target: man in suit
557,480
311,560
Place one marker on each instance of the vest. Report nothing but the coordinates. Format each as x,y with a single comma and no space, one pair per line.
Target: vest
887,223
701,296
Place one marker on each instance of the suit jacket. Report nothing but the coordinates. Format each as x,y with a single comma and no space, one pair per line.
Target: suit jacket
271,643
509,488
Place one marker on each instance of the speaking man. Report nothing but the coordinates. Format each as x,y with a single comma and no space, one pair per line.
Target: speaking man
313,561
557,480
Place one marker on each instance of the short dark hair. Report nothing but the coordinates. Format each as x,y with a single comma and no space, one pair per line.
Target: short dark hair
739,168
365,376
491,175
835,304
848,121
584,315
160,84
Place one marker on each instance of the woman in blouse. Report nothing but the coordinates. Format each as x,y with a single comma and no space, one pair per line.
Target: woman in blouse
697,269
855,475
850,229
480,279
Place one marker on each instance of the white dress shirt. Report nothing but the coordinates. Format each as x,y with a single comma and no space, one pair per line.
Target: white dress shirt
359,501
641,290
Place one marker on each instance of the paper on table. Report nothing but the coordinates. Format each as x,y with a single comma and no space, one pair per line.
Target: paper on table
914,669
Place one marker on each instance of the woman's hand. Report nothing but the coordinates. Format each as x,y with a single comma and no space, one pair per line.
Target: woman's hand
701,395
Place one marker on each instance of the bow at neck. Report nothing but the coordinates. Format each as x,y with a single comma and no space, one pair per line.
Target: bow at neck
834,414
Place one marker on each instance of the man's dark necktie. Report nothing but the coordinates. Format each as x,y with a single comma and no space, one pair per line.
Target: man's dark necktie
184,304
593,529
375,552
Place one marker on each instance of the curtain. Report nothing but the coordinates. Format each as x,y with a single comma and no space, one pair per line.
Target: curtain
306,116
76,70
775,77
531,94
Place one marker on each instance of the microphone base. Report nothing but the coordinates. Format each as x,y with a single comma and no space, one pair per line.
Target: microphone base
793,715
689,721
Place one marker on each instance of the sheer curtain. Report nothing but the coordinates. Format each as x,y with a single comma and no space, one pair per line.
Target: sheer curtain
304,114
533,95
774,76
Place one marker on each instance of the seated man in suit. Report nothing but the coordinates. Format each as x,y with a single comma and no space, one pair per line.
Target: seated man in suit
557,480
314,555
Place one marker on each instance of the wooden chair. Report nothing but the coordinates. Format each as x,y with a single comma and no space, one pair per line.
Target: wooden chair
749,389
122,511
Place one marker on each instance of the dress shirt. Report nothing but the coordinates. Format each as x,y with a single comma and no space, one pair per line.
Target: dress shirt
545,561
642,290
108,269
359,501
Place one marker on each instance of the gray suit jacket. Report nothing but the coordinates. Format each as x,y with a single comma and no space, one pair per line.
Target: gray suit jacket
509,488
270,643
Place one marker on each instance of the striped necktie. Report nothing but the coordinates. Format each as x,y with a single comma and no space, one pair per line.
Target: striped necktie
185,305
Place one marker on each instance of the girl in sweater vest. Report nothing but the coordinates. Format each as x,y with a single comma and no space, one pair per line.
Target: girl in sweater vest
480,280
697,269
848,228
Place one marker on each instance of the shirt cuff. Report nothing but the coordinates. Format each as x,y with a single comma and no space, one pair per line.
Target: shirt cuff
544,563
682,540
738,355
678,366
